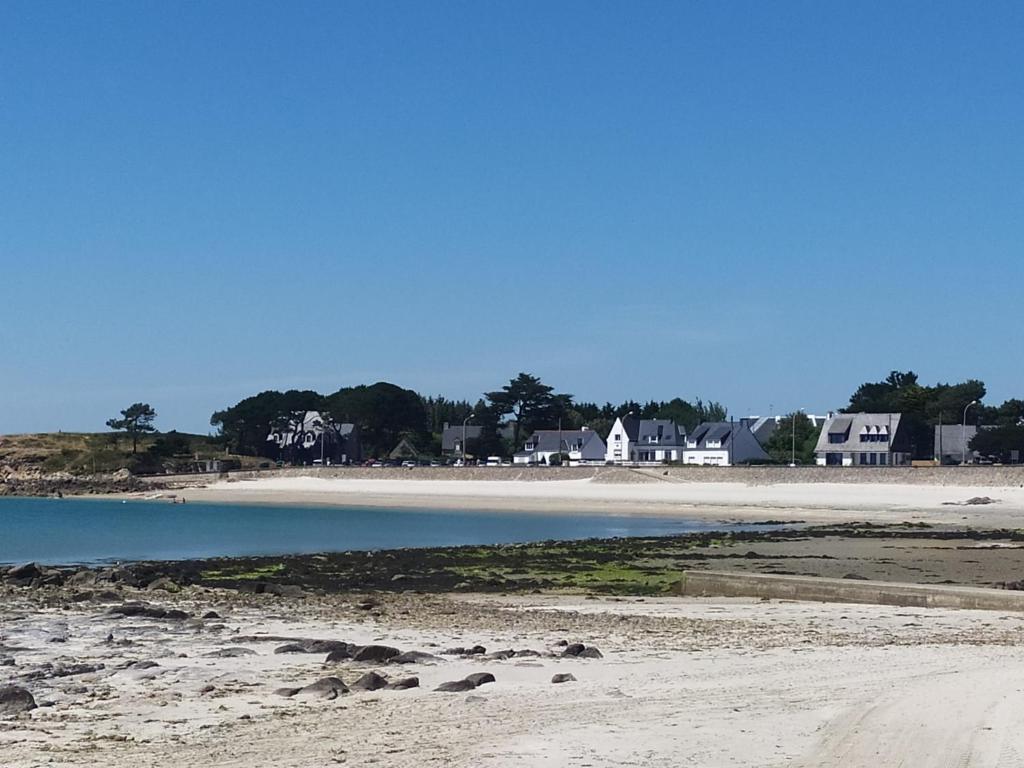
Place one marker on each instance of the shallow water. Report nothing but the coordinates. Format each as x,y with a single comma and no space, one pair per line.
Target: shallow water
90,531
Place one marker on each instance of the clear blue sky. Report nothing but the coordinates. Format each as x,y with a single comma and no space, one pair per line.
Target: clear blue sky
758,203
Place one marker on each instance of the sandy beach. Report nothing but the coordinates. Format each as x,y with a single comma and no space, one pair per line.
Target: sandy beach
643,493
703,682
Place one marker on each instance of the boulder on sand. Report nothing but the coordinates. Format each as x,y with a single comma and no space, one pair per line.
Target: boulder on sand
563,677
14,700
479,678
375,653
404,684
371,681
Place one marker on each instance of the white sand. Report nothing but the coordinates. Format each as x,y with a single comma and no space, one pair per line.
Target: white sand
683,682
813,502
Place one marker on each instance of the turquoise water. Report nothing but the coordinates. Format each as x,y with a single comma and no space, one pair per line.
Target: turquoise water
89,531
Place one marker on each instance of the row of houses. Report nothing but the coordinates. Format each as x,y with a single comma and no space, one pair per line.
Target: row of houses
847,439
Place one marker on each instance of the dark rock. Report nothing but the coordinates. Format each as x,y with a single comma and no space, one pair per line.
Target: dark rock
47,671
163,584
457,651
305,645
456,686
6,661
375,653
573,649
230,653
404,684
207,689
414,657
25,571
83,578
14,700
480,678
211,615
590,653
855,577
563,677
338,654
526,653
286,691
143,610
562,643
144,664
500,655
325,688
476,650
371,681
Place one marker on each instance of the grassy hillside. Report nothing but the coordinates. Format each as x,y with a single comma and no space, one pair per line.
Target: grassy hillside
89,453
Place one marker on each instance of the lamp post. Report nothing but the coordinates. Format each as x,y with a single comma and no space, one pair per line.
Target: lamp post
792,441
963,434
464,422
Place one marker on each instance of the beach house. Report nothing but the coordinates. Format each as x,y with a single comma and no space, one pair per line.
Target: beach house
582,446
644,441
306,438
722,444
863,440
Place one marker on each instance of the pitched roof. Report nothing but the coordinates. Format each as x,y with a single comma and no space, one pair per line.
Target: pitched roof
734,437
631,426
665,430
453,434
850,426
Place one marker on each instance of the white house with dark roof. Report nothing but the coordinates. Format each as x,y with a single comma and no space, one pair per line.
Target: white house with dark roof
644,441
306,438
722,444
583,446
863,440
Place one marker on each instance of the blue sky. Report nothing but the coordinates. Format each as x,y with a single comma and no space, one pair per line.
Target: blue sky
762,204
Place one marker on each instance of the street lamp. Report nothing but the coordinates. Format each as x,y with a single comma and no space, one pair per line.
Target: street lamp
963,434
792,442
464,422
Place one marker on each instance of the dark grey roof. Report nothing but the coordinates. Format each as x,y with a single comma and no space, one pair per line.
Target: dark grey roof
735,437
717,432
631,424
665,430
588,442
453,434
839,425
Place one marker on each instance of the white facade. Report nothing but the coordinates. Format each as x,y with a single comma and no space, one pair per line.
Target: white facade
618,444
704,456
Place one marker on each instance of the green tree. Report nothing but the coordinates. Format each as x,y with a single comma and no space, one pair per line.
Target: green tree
1004,443
922,407
247,424
135,420
383,412
533,404
780,444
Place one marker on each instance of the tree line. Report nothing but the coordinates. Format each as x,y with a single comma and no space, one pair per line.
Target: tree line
386,413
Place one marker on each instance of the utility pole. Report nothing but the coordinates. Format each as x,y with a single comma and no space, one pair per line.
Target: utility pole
464,422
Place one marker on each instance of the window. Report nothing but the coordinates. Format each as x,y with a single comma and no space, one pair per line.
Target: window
618,437
863,459
883,459
836,438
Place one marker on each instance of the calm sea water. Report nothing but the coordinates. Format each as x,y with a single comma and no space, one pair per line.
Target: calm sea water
68,531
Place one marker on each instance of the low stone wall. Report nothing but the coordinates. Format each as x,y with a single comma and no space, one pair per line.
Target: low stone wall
990,476
815,589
